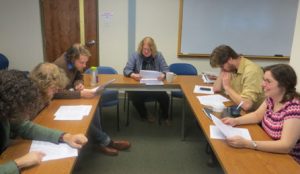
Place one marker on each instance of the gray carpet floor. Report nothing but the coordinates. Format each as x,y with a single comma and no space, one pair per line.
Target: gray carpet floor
155,148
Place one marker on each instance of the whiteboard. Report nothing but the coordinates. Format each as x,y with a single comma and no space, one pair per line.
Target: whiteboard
250,27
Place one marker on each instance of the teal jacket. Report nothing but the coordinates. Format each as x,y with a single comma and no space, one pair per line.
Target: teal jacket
26,130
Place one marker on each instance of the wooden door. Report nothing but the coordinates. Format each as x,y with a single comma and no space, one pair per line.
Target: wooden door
63,25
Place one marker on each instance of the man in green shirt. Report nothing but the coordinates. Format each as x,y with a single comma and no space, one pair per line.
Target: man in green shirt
240,78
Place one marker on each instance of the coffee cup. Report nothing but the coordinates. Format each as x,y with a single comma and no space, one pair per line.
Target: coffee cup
170,76
218,107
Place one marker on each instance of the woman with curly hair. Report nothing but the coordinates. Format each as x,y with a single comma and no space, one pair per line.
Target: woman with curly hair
49,79
18,100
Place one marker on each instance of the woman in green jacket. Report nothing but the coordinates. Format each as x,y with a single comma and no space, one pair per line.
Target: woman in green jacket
18,101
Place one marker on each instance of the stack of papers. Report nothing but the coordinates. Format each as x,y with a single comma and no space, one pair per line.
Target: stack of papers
212,100
53,151
203,89
150,77
72,112
222,131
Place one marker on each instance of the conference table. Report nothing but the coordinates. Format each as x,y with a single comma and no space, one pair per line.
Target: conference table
46,118
232,160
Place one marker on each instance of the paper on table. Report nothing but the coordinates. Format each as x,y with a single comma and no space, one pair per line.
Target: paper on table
203,89
72,112
99,88
145,74
150,77
229,131
53,151
212,100
151,81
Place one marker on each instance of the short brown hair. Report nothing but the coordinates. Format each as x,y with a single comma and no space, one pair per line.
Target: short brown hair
149,41
47,75
75,51
221,55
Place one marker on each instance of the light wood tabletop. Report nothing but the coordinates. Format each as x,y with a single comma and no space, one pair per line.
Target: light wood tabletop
235,160
46,118
232,160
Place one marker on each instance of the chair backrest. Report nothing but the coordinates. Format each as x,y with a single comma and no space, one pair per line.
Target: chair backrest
183,69
4,63
103,70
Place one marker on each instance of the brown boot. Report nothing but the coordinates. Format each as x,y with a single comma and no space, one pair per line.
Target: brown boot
108,150
120,145
150,118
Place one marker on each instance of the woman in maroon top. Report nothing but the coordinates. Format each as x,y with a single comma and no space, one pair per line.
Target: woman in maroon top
279,114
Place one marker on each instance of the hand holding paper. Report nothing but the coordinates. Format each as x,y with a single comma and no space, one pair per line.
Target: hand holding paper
229,131
151,77
97,90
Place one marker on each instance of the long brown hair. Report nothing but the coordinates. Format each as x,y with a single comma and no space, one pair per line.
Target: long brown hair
286,77
75,51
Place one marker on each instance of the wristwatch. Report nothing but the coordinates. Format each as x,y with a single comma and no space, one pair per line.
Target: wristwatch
254,145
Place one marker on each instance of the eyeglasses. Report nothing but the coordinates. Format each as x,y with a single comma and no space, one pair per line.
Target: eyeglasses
146,49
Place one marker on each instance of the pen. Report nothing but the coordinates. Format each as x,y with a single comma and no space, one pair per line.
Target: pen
238,107
204,89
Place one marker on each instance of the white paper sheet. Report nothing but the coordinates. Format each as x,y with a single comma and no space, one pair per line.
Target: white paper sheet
53,151
229,131
203,89
151,82
215,133
149,74
212,100
206,79
72,112
150,77
99,88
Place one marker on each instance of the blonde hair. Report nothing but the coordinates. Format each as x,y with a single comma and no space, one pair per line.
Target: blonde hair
47,75
147,41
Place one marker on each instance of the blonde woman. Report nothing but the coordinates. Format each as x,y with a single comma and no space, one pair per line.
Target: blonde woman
147,58
50,79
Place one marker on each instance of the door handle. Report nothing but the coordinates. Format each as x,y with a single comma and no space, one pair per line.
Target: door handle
90,43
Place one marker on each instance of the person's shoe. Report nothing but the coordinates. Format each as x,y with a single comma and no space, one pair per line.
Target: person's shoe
120,145
167,122
151,119
108,150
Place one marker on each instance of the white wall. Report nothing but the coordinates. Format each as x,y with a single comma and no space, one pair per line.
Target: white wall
113,33
20,33
295,55
21,40
159,19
